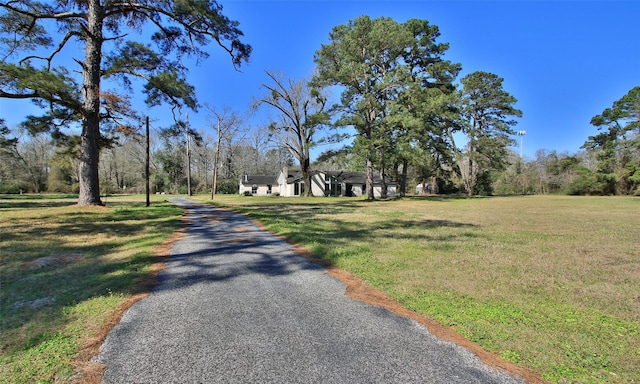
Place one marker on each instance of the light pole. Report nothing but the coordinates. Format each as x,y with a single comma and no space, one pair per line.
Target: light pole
521,134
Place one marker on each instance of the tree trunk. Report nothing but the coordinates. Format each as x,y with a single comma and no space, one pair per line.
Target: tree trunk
403,178
216,158
469,176
370,155
469,181
384,190
369,181
306,175
89,140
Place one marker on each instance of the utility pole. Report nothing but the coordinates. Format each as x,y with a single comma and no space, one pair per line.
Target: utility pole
146,164
214,181
188,157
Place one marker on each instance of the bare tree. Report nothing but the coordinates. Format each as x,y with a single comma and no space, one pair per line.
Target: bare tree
301,111
25,162
203,161
227,123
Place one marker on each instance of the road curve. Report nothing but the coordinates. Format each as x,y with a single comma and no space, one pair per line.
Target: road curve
235,304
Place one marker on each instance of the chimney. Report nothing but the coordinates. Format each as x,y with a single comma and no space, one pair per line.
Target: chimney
246,178
285,173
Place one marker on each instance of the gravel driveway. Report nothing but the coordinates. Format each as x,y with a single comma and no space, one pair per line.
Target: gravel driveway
235,304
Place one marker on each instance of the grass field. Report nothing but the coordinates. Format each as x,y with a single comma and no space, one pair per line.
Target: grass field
65,272
548,282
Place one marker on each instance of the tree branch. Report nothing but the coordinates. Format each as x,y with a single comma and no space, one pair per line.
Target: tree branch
40,15
49,58
126,7
8,95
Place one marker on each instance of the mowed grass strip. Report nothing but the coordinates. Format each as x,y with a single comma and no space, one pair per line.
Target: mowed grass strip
64,272
551,283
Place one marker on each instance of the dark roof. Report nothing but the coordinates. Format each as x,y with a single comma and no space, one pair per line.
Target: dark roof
357,177
258,179
294,174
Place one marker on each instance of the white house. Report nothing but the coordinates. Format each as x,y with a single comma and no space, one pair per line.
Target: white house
343,183
289,182
258,185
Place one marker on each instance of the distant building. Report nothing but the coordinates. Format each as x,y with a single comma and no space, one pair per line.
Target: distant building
343,183
289,182
259,185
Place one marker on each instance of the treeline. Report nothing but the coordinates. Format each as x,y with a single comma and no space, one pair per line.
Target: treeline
607,164
415,120
402,107
35,164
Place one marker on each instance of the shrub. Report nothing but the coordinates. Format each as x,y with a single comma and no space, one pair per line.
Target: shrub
585,183
227,187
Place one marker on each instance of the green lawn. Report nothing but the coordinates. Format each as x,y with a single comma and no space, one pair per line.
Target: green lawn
551,283
64,272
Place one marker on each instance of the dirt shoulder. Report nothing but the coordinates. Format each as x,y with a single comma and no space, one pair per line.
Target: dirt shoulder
356,289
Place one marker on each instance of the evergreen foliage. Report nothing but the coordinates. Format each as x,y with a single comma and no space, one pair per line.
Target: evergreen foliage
413,119
29,28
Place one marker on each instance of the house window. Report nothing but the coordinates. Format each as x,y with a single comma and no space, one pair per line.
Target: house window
333,187
254,189
268,189
298,189
336,188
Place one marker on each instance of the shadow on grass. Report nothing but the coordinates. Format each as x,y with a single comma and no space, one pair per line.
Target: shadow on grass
82,272
44,270
319,225
36,201
129,222
451,197
85,272
38,197
226,246
58,200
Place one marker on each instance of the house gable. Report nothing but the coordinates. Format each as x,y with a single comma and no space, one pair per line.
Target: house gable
323,183
258,185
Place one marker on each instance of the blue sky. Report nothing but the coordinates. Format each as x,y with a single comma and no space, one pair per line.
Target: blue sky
565,61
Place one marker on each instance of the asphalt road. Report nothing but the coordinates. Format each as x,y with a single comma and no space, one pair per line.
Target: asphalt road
236,305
